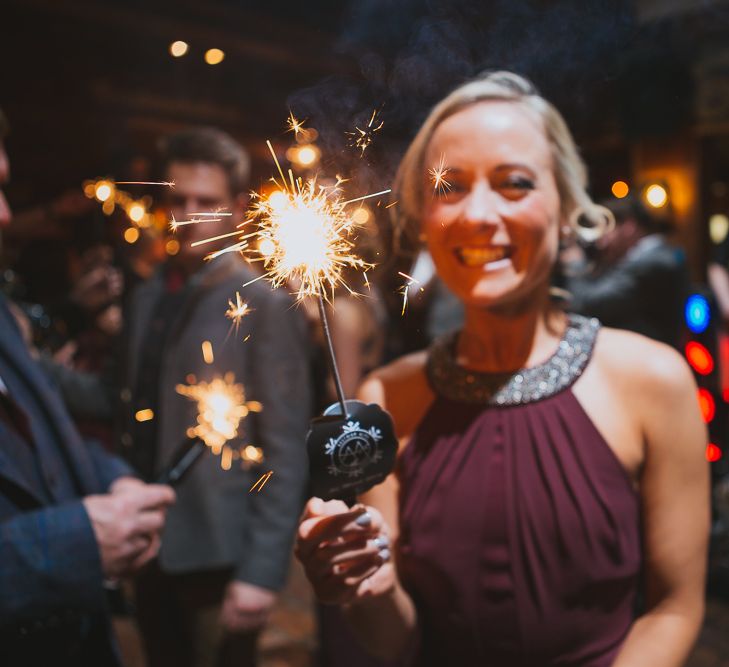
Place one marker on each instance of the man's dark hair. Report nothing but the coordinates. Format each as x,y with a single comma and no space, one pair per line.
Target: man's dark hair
210,145
632,207
4,127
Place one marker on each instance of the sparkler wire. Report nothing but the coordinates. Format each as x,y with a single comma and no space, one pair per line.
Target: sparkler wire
332,359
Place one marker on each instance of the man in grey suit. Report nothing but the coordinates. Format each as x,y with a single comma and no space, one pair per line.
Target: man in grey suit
225,551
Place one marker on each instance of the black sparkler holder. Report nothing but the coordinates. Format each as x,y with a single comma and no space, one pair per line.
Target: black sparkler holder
187,455
350,455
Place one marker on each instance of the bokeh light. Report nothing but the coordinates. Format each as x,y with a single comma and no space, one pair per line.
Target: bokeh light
136,212
656,195
620,189
361,216
103,190
697,313
699,357
707,405
214,56
713,453
131,234
718,227
178,48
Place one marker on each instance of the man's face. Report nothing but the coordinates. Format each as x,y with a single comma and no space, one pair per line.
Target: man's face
5,214
201,187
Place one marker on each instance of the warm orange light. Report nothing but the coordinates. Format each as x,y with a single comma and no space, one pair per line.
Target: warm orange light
131,234
178,48
305,155
172,247
214,56
207,352
136,212
707,405
699,357
103,191
713,453
656,195
620,189
144,415
361,216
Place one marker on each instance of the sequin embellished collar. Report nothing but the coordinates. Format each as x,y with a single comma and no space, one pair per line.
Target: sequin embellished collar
527,385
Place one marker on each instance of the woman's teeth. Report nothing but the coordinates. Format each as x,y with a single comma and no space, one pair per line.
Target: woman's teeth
481,256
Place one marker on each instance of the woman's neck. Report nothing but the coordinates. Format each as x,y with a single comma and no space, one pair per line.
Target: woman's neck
506,339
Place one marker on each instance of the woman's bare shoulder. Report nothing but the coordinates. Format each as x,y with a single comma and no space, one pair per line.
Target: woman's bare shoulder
401,388
636,361
405,373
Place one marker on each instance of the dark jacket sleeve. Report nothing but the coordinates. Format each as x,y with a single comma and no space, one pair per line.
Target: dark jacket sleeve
49,561
108,467
280,375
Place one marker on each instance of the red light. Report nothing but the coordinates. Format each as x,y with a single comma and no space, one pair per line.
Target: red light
713,453
707,405
699,357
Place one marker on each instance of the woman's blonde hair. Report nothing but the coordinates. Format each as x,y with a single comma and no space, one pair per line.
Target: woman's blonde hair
569,169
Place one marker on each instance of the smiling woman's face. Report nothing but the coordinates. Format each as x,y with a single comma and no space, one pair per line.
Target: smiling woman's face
493,230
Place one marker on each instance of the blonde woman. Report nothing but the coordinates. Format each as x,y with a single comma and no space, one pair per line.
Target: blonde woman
549,469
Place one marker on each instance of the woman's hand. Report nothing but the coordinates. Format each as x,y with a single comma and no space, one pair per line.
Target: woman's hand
345,552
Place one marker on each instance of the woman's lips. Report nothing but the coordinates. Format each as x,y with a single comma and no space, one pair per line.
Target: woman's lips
489,258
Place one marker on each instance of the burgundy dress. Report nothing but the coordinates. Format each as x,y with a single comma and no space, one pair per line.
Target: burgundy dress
520,540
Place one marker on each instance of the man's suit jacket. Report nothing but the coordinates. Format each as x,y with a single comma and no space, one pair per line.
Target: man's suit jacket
644,292
216,522
50,568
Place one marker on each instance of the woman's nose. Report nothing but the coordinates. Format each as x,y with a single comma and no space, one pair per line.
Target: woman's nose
482,206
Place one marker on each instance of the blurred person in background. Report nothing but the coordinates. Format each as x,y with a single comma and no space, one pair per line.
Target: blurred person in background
638,281
225,552
71,516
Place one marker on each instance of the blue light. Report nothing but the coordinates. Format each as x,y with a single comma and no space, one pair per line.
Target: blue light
697,313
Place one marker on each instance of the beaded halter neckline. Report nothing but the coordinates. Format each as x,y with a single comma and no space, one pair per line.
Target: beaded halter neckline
525,386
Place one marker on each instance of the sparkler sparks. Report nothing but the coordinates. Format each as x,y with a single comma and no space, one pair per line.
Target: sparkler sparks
405,290
238,310
261,482
437,177
362,137
294,124
169,184
221,406
304,235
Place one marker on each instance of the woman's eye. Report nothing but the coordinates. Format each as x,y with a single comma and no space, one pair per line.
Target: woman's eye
519,183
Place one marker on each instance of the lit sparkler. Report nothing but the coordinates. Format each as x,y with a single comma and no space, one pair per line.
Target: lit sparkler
221,406
437,177
362,137
304,238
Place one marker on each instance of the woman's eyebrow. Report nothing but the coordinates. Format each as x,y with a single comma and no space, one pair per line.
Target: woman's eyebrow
513,165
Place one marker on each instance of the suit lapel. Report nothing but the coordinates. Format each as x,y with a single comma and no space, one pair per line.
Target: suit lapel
16,355
12,474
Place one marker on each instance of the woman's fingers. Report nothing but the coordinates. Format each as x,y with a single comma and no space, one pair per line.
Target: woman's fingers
339,527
